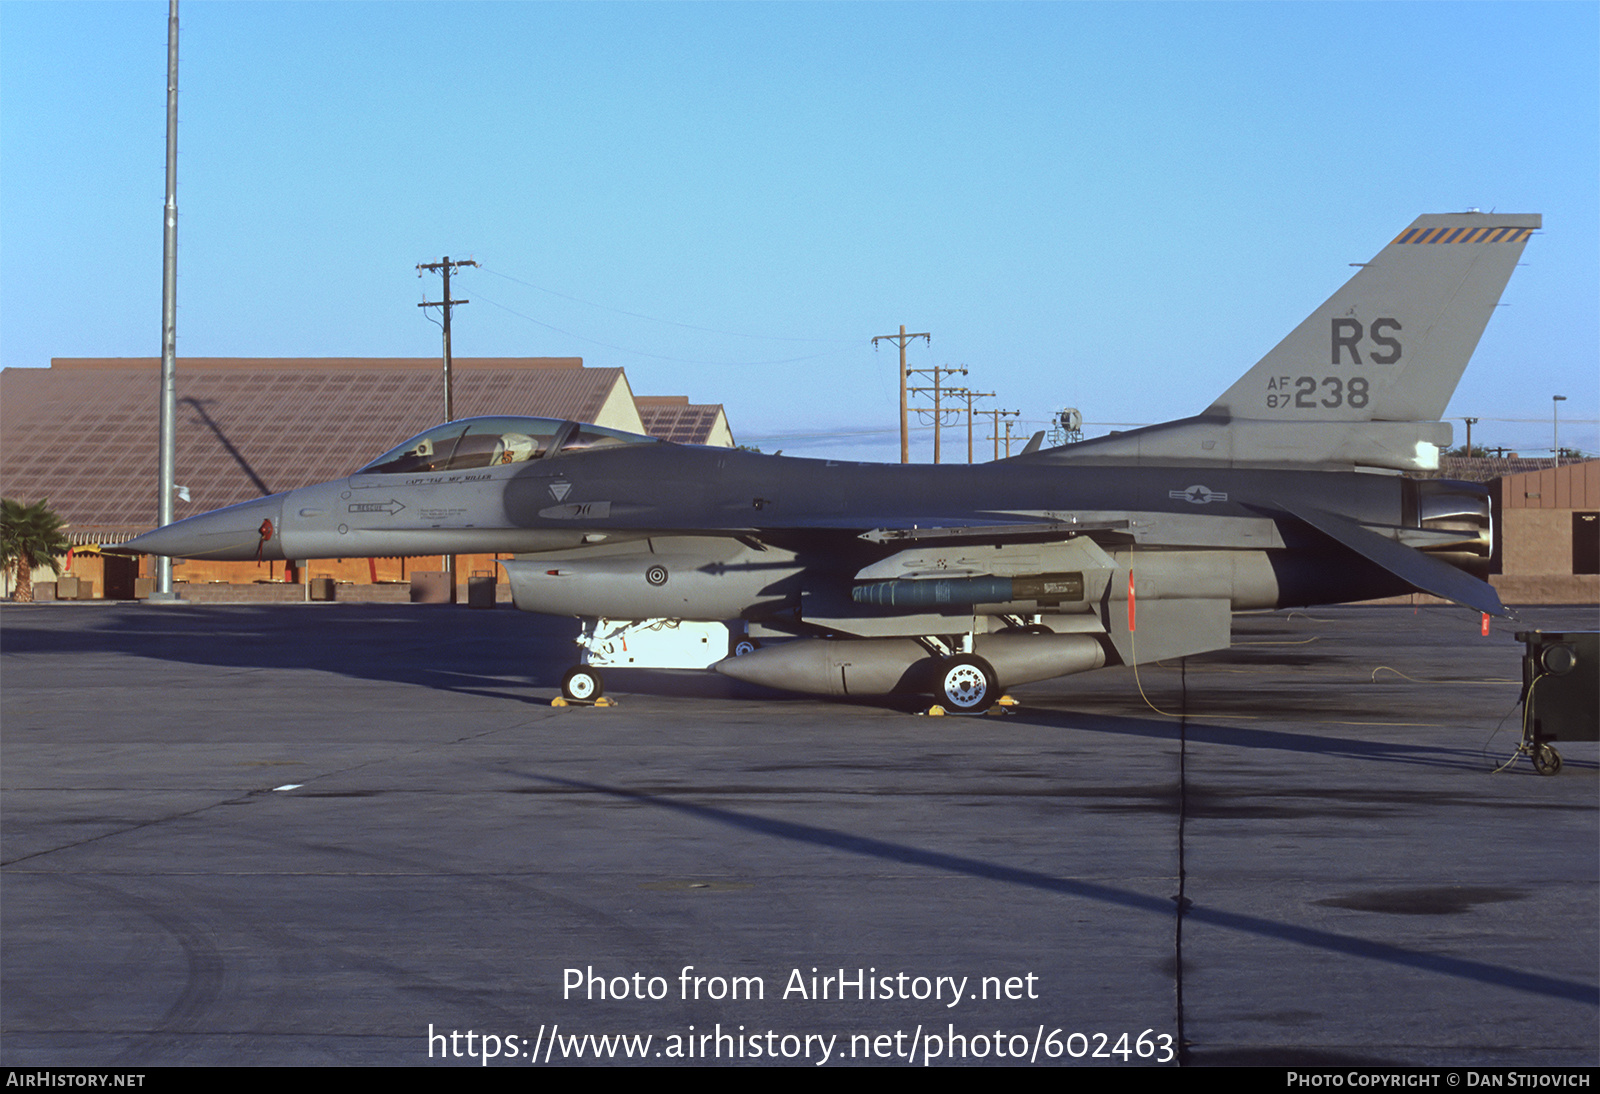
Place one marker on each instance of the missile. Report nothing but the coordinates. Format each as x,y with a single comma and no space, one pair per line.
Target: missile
1042,589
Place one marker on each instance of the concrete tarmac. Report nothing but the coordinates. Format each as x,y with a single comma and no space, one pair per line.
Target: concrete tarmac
304,834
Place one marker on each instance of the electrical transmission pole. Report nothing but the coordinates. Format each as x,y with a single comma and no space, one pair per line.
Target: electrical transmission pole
937,388
1008,438
902,338
445,267
995,415
968,395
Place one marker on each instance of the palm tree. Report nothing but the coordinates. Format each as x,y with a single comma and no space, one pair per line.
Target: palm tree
30,535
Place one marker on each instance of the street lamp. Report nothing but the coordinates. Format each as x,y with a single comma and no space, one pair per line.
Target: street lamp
1555,427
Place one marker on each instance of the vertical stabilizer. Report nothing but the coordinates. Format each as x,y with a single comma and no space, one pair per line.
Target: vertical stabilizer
1392,343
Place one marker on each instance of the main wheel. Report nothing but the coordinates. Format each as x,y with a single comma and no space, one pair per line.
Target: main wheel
742,645
582,684
967,684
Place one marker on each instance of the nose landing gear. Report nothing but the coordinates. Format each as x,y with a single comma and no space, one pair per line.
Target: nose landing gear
582,684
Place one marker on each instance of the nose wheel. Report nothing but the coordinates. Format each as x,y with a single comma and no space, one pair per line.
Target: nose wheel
582,684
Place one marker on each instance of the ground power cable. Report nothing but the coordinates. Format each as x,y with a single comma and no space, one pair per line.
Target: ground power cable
1133,647
1522,746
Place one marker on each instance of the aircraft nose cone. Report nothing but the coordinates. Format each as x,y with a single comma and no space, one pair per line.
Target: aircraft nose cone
238,533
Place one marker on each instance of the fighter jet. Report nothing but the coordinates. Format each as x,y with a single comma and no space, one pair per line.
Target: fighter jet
857,579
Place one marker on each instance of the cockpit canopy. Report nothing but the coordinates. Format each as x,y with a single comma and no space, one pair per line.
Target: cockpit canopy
489,442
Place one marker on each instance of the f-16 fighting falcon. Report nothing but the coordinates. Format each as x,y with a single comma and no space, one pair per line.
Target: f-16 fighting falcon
866,579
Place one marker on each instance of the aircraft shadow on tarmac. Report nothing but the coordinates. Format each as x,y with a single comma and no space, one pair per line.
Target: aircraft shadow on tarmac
903,854
517,657
492,654
1200,732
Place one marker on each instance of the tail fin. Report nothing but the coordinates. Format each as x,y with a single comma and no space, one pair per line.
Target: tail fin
1364,380
1392,343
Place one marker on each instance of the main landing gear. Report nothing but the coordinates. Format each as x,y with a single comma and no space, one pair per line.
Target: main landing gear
967,684
963,682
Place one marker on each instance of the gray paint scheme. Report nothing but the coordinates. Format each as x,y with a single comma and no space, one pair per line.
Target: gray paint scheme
1285,491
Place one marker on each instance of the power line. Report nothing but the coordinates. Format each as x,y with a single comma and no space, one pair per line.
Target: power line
656,319
655,356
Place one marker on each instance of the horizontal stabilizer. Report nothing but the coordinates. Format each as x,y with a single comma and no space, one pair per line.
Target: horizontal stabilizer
1423,572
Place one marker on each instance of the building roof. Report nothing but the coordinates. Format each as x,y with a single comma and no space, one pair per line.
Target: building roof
674,418
84,432
1484,468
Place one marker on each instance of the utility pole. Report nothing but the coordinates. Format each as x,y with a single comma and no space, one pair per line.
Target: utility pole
995,416
938,413
903,338
969,395
445,267
169,314
1470,423
1555,427
1008,439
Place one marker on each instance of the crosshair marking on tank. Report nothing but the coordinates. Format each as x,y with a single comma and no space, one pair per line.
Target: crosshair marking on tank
656,575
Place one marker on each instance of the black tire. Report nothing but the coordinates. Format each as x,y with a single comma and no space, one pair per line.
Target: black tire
742,644
582,684
1546,760
967,684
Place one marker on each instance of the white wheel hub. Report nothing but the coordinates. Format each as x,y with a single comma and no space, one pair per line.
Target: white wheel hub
965,686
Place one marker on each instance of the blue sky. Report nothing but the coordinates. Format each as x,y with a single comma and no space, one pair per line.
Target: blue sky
1117,207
